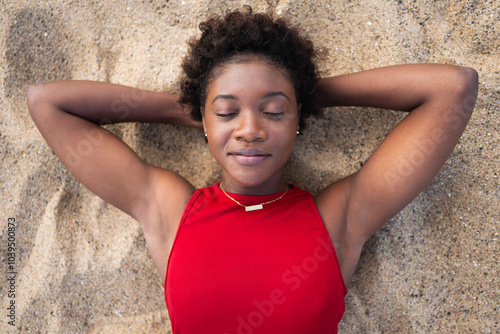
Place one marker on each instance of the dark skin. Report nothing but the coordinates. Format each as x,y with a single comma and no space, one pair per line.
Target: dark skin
440,99
258,113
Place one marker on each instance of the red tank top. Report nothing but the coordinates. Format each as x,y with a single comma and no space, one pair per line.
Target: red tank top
267,271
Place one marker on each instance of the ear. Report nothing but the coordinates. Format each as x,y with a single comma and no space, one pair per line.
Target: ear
202,109
299,108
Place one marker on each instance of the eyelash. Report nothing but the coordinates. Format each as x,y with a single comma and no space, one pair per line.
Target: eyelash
274,114
268,114
226,115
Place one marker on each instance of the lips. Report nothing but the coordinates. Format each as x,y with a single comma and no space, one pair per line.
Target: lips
249,156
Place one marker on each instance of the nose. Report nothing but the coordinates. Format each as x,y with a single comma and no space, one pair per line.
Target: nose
250,127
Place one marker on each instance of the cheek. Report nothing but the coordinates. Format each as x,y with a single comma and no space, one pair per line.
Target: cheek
218,138
287,132
286,142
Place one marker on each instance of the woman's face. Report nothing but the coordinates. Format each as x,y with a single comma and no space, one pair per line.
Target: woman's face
251,120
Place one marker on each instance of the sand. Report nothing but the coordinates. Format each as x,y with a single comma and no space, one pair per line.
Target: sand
83,267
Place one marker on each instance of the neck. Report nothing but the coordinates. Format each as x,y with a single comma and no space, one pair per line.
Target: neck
268,187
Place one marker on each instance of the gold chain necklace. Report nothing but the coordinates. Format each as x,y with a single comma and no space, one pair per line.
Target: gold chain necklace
256,206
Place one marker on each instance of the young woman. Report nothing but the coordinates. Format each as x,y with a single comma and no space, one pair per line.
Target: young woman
253,254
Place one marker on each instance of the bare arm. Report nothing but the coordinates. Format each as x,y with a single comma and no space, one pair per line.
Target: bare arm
101,102
440,99
67,113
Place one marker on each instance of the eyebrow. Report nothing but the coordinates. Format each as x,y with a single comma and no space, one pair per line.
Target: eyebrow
268,95
273,94
224,97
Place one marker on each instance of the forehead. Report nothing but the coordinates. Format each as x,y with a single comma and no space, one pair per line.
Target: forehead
253,58
247,77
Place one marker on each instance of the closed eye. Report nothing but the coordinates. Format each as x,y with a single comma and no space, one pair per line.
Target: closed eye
274,114
226,115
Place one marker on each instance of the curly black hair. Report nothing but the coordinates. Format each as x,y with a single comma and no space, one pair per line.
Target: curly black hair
239,33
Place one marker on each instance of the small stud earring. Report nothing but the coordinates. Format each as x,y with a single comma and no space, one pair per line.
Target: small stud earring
298,132
206,138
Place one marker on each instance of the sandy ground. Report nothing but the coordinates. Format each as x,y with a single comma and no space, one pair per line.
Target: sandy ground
83,267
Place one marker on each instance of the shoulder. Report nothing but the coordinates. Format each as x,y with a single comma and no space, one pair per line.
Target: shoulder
339,214
166,199
332,203
168,195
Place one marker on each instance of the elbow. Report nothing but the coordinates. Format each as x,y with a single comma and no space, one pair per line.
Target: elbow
37,97
33,96
465,89
469,79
